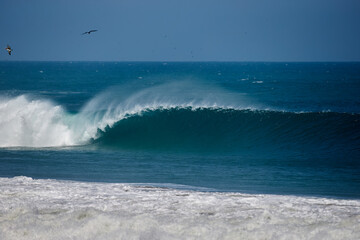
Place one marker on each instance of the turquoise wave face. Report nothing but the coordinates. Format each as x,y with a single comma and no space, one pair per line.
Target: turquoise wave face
234,130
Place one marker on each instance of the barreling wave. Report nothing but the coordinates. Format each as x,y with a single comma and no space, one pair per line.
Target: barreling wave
176,117
231,129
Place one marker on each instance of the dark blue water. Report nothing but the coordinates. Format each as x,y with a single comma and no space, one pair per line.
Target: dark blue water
284,128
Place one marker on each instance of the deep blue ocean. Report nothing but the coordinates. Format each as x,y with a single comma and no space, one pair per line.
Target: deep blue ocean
273,128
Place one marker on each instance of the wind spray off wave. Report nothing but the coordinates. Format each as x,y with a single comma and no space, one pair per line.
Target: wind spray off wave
29,122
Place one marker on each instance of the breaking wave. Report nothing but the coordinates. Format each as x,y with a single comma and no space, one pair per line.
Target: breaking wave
175,116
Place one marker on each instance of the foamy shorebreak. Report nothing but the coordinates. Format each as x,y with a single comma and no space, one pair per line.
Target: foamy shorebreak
53,209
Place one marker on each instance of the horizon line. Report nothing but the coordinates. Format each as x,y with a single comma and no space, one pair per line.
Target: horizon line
183,61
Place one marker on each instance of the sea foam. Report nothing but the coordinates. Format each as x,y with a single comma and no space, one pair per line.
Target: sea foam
51,209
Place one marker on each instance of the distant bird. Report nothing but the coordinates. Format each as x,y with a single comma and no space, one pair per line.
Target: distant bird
89,32
8,49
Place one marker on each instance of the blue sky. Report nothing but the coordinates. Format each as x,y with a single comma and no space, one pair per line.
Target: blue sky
186,30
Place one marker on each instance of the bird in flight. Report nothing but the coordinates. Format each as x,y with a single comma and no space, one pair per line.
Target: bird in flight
89,32
8,49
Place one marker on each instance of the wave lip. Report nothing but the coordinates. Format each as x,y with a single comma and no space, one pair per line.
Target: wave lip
217,129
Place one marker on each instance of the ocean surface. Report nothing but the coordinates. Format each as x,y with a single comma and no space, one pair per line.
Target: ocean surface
172,150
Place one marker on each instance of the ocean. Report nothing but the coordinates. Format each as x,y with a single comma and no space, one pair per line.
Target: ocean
179,150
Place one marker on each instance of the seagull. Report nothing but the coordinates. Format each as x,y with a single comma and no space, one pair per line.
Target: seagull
8,49
89,32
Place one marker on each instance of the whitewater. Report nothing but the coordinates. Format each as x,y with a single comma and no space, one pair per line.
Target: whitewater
51,209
